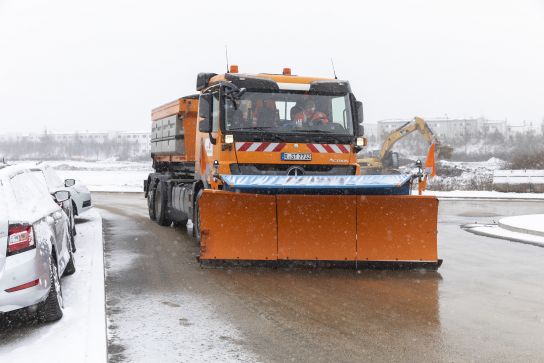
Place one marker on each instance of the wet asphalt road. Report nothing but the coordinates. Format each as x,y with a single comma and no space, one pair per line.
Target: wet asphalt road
486,303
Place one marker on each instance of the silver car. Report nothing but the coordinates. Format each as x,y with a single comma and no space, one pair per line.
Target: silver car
35,246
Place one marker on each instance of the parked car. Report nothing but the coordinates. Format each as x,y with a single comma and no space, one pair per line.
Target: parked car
35,246
50,179
80,195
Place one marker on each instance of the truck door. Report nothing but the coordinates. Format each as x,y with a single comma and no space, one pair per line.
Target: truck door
208,142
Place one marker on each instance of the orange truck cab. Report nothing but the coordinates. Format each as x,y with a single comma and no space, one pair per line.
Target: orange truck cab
265,166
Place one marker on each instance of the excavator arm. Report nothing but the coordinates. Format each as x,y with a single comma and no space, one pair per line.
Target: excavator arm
418,124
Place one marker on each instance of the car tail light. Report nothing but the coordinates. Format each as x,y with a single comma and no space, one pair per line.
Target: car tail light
24,286
21,238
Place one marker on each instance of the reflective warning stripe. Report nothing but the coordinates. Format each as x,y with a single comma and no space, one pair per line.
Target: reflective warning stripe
276,146
329,148
259,146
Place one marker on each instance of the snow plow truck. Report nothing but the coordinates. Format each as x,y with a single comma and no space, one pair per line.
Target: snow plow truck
265,166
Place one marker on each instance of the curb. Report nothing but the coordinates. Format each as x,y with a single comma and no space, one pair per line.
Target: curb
520,230
471,229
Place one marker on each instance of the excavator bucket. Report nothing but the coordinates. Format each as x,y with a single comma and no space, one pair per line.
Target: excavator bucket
288,225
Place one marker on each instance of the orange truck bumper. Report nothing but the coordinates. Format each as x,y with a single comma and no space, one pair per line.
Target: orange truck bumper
390,231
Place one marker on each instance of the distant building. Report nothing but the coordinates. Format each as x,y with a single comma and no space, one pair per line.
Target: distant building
532,127
142,139
446,128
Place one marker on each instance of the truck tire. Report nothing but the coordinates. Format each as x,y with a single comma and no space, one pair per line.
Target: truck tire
151,203
196,220
161,205
52,308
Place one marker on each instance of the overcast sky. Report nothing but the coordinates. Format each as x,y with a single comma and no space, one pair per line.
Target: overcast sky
100,65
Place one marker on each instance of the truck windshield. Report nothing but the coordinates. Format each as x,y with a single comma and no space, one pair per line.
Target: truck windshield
284,112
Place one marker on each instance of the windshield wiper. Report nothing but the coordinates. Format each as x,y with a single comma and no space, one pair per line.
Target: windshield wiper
259,128
326,134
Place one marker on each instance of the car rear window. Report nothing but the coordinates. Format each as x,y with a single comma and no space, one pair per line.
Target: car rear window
29,192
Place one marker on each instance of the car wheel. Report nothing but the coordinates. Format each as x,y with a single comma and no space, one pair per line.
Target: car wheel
74,206
71,266
151,203
72,240
161,204
52,308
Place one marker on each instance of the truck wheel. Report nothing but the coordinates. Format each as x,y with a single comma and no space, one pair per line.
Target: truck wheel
161,204
51,308
151,203
196,221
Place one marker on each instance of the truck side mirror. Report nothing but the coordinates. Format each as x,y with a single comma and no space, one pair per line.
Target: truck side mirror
360,117
205,112
360,130
204,126
359,112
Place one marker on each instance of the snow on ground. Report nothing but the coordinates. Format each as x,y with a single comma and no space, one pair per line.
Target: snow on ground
104,176
197,335
483,194
80,336
491,164
108,180
531,224
177,327
493,230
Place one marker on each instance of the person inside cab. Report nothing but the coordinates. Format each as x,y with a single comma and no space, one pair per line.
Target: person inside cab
309,114
266,113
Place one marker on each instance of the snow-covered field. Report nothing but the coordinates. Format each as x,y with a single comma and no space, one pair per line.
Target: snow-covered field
119,176
105,176
80,336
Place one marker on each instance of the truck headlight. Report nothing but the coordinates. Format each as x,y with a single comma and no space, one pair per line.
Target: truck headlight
361,141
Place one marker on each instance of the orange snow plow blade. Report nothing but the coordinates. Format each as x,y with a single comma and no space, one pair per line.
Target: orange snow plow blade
237,226
390,231
397,228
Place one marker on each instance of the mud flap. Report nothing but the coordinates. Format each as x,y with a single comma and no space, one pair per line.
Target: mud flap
397,228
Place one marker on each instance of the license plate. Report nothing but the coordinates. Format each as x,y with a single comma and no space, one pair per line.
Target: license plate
296,156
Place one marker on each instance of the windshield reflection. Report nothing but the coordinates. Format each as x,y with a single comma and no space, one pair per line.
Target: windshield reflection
289,113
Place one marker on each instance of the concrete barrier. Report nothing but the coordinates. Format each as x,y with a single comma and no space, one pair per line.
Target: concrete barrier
519,181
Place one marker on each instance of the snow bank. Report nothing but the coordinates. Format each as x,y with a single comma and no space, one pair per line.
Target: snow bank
493,230
80,336
483,194
530,224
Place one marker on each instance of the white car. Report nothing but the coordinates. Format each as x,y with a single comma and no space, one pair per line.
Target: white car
35,248
81,196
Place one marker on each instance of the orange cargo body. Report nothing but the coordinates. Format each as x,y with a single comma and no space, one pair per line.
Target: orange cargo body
186,111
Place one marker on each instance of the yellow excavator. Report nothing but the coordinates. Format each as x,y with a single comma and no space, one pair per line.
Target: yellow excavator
387,161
